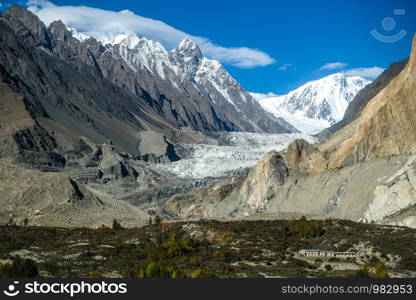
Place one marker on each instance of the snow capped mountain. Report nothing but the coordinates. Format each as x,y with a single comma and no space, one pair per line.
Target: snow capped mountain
186,70
317,104
186,61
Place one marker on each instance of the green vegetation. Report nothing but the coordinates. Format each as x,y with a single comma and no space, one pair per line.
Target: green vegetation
304,228
158,220
206,249
380,271
364,272
163,255
328,267
20,268
117,225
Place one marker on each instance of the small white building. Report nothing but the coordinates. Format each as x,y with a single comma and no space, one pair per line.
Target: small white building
325,253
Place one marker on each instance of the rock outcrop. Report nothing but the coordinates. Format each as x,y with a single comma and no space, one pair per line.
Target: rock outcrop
395,196
215,202
54,199
262,184
304,157
155,147
115,166
22,139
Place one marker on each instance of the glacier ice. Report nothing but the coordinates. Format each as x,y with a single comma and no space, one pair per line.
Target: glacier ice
236,151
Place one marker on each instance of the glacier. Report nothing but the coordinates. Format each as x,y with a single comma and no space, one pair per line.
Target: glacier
236,152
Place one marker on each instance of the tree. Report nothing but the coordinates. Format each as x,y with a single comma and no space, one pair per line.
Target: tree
328,267
195,274
158,220
150,221
11,222
380,271
25,222
117,225
20,268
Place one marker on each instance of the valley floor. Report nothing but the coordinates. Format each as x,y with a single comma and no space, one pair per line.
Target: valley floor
211,249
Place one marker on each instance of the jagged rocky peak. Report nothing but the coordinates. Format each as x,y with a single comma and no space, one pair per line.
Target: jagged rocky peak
59,30
28,26
188,48
129,39
186,59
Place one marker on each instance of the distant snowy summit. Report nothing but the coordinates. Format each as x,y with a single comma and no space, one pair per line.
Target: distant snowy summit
317,104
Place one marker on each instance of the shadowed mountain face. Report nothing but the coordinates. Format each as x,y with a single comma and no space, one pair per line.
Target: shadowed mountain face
66,101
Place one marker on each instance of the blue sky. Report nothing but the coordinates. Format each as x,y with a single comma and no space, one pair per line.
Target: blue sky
275,46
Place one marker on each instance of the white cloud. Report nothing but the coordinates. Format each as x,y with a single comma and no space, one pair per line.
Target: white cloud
261,96
105,25
369,73
285,67
333,66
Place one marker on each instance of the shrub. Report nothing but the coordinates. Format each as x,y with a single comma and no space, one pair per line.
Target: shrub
381,271
105,230
156,270
328,267
52,268
117,225
195,274
94,275
364,272
158,220
20,268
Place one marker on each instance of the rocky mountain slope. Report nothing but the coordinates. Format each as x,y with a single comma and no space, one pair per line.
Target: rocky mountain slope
317,104
363,172
66,101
